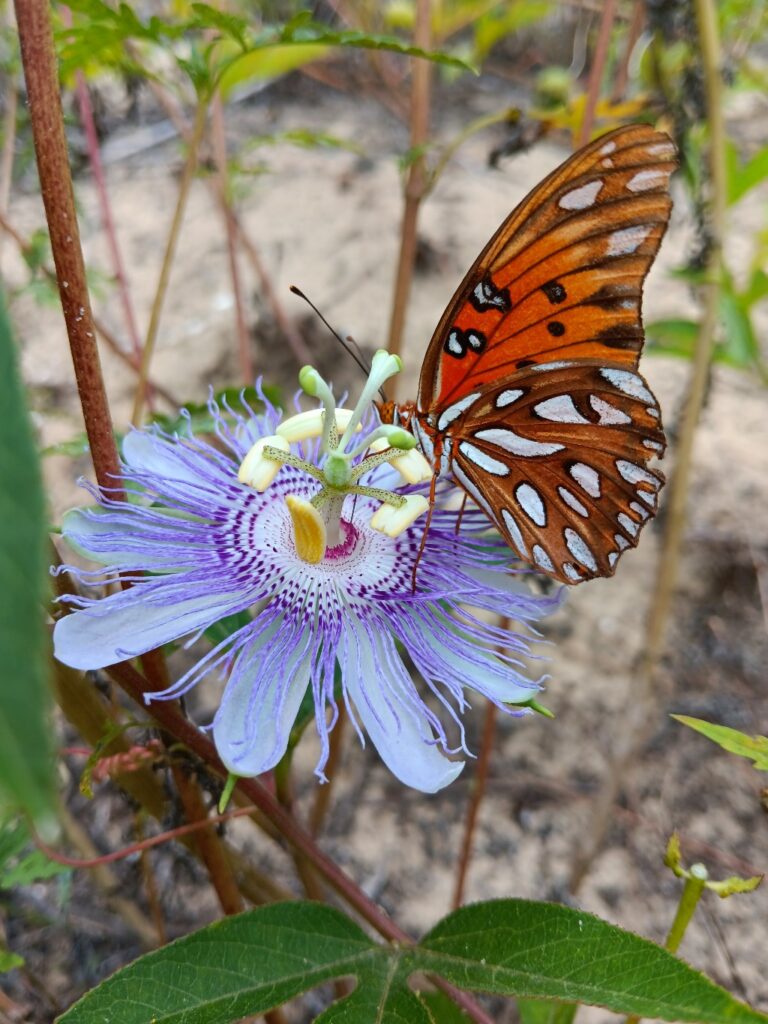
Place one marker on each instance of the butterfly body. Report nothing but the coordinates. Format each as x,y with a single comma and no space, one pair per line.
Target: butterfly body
529,395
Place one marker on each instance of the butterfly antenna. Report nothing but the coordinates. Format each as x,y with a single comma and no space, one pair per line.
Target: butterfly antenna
349,345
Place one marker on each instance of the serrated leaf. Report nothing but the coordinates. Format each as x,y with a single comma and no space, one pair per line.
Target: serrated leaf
26,779
237,967
248,964
735,742
543,950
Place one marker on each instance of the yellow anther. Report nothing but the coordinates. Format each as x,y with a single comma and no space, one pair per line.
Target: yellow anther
256,470
310,424
392,521
411,465
308,530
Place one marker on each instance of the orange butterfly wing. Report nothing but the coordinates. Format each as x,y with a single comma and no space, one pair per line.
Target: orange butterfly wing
529,386
562,277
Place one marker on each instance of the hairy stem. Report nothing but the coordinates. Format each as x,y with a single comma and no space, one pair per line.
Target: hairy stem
170,251
416,182
39,61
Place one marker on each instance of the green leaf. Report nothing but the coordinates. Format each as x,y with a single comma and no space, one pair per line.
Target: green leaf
542,1011
268,62
504,21
543,950
248,964
225,627
237,967
675,337
442,1009
20,862
9,960
743,177
753,747
26,779
740,347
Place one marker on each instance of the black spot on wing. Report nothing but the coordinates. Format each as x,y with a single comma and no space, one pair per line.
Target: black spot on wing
555,292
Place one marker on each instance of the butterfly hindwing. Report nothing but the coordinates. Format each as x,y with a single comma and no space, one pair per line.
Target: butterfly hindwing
561,467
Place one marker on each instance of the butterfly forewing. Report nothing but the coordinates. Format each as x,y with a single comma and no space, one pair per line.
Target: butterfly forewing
562,277
529,385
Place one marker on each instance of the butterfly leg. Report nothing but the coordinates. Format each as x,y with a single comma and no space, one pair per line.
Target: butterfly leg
432,488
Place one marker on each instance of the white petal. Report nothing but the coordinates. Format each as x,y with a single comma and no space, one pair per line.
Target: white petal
123,626
265,690
399,730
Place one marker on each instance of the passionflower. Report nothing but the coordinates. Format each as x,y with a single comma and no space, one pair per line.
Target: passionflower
314,527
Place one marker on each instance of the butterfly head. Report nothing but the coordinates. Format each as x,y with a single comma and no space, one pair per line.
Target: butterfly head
399,414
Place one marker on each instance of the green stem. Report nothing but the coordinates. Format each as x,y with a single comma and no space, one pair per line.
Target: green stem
170,251
417,181
706,14
689,900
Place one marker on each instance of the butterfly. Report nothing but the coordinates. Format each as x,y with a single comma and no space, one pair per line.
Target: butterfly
529,395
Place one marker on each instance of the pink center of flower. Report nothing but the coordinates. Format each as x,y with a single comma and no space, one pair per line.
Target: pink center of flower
347,546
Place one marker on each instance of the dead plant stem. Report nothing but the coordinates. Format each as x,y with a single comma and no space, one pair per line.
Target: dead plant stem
476,798
219,142
170,251
639,723
416,181
596,71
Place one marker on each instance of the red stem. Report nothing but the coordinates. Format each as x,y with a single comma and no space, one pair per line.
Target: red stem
478,792
170,719
40,71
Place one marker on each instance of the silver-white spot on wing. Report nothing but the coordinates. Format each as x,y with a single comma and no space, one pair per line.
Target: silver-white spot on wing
579,549
644,180
628,383
542,559
572,501
559,409
621,541
506,398
627,240
515,444
613,558
587,478
607,148
635,474
653,411
609,414
563,364
649,497
629,524
653,445
454,345
454,411
531,503
581,198
514,531
479,457
663,150
571,571
638,509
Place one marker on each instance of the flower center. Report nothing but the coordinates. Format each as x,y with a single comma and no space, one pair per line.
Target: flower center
317,524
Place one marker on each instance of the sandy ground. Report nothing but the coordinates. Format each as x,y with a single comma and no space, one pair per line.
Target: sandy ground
328,221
